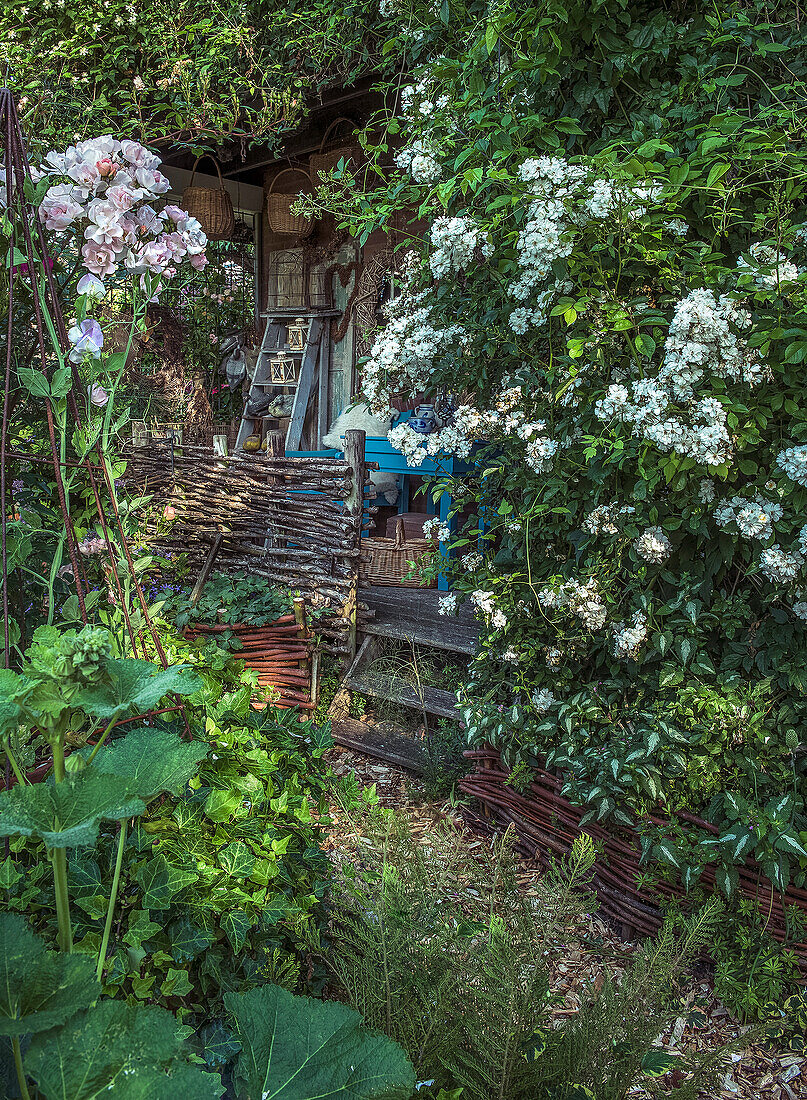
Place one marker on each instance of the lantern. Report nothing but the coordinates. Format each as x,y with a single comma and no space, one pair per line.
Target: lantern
283,370
297,334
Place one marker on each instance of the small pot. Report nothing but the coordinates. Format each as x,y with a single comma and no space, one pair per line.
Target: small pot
424,420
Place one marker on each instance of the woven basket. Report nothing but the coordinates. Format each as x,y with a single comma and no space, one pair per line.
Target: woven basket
278,208
322,162
211,206
390,559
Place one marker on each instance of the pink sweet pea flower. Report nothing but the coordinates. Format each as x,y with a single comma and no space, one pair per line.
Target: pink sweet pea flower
200,261
98,395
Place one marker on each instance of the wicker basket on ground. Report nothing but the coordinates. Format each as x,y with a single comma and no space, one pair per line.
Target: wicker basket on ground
389,561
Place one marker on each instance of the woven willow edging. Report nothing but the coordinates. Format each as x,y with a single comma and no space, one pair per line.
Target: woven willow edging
547,824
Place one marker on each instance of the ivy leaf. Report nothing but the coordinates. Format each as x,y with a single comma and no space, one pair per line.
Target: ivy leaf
137,684
159,881
221,805
39,989
117,1049
188,939
67,814
86,887
141,927
153,760
236,924
237,859
220,1043
301,1049
9,874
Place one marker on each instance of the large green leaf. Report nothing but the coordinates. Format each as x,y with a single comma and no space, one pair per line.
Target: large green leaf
295,1048
153,760
138,685
39,989
10,684
67,814
119,1050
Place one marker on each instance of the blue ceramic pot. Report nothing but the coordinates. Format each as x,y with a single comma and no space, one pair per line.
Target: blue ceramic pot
424,420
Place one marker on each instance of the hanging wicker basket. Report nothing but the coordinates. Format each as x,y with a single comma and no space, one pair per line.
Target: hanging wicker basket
211,206
323,161
392,559
279,204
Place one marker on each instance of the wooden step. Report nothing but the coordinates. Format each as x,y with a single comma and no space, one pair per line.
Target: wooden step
392,748
411,614
432,700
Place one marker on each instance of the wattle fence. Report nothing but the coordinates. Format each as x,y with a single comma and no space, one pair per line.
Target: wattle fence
297,522
546,824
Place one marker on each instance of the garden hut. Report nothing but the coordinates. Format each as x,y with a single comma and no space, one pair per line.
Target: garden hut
313,307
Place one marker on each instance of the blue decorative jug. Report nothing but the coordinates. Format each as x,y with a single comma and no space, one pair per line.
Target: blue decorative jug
424,420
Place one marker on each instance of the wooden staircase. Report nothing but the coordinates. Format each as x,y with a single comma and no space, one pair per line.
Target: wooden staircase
404,615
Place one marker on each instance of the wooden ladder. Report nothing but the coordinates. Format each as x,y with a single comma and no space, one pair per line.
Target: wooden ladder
313,365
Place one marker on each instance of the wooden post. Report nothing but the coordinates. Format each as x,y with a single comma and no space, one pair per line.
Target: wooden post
201,580
275,448
354,505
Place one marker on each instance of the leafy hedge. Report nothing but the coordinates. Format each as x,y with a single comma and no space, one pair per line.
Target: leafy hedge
612,269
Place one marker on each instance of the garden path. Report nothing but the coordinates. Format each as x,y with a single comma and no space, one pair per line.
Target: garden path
757,1072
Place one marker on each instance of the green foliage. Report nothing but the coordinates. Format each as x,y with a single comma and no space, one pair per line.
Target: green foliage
213,888
152,759
135,684
39,989
690,120
229,598
129,1049
453,961
302,1049
221,878
755,975
67,814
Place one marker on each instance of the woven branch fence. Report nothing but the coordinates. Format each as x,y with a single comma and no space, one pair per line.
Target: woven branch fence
295,521
546,824
279,652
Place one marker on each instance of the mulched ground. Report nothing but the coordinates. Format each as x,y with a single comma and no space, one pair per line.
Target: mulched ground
756,1072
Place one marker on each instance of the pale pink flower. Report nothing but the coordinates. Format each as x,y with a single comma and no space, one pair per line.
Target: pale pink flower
105,224
121,197
193,235
175,213
100,259
151,180
85,176
138,155
199,262
149,220
59,209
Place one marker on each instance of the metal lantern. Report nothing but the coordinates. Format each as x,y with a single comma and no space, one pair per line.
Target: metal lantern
283,370
297,334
